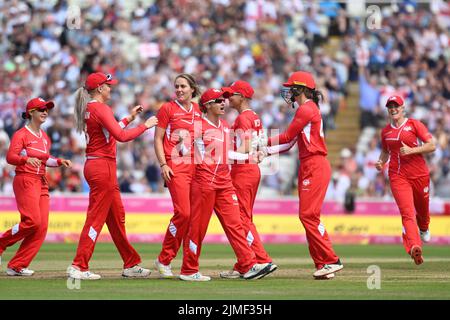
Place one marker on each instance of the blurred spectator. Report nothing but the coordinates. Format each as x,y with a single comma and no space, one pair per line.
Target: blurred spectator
146,43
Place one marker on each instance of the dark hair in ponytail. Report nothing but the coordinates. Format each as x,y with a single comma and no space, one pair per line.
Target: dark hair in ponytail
313,94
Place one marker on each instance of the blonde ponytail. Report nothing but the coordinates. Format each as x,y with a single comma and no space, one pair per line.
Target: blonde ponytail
81,99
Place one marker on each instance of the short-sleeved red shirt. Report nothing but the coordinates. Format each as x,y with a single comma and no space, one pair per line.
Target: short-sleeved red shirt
412,133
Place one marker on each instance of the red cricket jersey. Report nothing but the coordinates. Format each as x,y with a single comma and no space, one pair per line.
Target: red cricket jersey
102,131
26,144
411,133
212,144
245,124
176,120
307,126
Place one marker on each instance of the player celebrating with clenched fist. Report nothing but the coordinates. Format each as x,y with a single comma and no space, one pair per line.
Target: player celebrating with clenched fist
408,173
29,152
96,119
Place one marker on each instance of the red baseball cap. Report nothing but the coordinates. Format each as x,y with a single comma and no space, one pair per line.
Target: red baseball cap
395,100
210,95
95,80
239,86
37,103
301,78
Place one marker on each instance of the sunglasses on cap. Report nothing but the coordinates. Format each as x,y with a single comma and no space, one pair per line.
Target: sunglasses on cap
108,78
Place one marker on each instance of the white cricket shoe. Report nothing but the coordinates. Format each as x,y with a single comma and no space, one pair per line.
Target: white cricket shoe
326,277
194,277
425,235
165,271
258,270
22,272
232,274
272,268
135,272
329,268
75,273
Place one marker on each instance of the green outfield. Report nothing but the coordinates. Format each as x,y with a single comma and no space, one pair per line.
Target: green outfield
400,278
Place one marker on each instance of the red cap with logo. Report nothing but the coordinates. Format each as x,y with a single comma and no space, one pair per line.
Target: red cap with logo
395,100
301,78
241,87
210,95
95,80
36,103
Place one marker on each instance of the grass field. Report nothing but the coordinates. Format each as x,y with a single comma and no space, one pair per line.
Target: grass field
400,278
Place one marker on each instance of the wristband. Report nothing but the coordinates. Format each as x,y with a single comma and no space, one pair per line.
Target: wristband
162,165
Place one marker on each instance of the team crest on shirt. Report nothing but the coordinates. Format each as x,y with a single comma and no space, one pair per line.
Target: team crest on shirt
234,196
197,114
407,128
306,182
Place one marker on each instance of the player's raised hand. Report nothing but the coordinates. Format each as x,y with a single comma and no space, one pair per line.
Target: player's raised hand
35,162
151,122
134,112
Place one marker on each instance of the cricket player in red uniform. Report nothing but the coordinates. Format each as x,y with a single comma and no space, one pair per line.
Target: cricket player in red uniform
29,151
172,138
315,170
245,175
212,189
96,119
404,141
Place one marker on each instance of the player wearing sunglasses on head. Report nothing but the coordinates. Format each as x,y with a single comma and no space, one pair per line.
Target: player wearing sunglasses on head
96,119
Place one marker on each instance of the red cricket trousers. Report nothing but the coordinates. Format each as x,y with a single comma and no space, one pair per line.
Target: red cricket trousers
31,192
105,205
313,179
180,191
246,178
411,196
224,202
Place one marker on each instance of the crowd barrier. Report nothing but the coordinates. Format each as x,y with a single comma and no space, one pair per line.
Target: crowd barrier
276,220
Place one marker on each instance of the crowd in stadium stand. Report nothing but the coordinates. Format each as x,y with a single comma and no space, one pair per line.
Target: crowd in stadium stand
47,50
